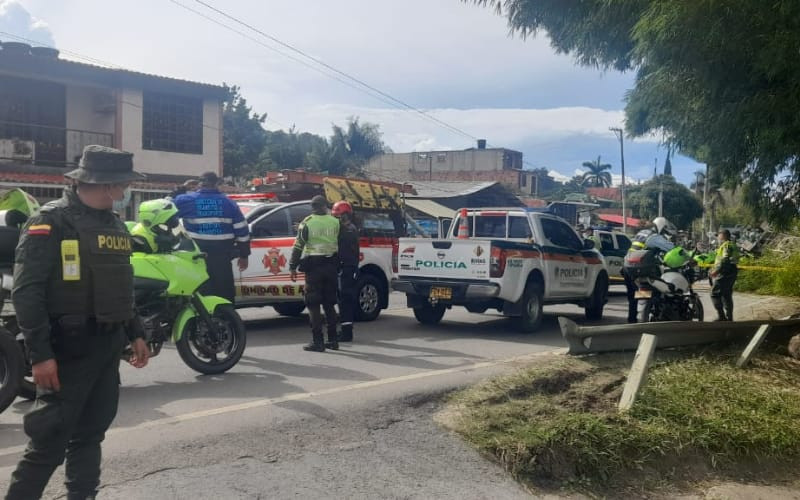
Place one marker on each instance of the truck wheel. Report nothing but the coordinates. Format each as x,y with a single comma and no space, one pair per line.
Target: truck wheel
368,293
596,303
532,308
290,309
428,314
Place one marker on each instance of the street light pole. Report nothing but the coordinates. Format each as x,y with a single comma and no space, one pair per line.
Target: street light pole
618,132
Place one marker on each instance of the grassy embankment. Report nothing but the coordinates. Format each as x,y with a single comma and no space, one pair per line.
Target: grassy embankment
556,424
785,280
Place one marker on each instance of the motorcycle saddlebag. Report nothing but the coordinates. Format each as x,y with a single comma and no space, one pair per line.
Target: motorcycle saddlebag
641,263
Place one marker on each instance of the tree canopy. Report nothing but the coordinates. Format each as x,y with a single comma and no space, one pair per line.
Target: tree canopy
250,150
680,205
719,80
598,174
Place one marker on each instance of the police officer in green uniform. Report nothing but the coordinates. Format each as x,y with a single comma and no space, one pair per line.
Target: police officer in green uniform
315,254
73,295
724,274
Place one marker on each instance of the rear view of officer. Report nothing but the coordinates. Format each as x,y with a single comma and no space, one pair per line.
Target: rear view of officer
638,243
73,295
218,227
315,253
349,254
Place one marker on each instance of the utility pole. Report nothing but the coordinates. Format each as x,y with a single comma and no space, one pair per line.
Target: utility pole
618,132
660,189
705,203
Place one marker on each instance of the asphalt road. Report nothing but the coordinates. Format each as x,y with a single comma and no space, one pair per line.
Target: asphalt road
284,422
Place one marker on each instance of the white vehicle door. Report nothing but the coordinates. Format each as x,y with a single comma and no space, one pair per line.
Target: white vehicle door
266,278
567,269
613,255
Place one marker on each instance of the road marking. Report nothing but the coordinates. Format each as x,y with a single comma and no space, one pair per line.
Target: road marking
260,403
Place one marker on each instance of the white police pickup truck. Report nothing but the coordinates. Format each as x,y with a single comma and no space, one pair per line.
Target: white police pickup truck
514,260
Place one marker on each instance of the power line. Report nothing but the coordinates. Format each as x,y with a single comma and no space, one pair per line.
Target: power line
93,60
363,86
274,49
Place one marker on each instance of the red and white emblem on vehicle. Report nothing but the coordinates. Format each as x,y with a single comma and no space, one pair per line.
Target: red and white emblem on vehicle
274,261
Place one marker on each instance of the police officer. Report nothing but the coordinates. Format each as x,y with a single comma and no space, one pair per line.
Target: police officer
73,295
588,234
638,243
218,227
349,253
724,273
315,254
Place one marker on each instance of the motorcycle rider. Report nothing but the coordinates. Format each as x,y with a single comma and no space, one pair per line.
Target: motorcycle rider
654,239
315,254
73,296
349,253
724,272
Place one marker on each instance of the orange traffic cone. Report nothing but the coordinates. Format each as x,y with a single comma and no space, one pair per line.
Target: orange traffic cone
463,229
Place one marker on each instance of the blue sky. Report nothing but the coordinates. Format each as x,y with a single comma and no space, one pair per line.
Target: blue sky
452,59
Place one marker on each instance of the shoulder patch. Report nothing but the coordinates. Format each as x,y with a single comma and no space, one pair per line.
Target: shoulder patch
39,229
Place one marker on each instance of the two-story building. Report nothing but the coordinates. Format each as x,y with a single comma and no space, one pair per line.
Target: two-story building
50,108
477,165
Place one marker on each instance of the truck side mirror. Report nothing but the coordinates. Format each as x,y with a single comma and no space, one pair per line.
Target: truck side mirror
588,244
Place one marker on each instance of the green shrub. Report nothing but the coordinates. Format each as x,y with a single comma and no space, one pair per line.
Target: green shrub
783,280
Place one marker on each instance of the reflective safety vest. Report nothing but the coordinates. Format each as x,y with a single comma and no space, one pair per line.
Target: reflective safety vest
322,233
727,255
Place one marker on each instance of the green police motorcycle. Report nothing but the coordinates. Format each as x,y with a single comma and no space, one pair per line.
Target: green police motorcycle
168,270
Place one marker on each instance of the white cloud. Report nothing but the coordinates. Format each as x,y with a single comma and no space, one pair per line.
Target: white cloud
15,19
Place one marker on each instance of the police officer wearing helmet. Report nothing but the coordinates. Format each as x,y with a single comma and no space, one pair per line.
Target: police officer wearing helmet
638,243
724,274
349,254
73,296
315,253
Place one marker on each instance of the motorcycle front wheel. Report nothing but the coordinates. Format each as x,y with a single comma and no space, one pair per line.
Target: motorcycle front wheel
207,356
12,365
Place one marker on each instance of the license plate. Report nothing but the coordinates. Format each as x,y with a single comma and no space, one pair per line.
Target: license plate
643,294
441,293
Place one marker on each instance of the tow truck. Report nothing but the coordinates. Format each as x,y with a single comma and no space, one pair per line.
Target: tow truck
514,260
275,208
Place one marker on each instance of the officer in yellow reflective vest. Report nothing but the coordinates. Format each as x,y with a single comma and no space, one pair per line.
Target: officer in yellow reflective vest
724,273
630,284
315,254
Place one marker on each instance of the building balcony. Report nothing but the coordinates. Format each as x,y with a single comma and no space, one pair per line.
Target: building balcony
35,144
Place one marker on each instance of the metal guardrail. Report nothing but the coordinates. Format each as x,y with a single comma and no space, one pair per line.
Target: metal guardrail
626,337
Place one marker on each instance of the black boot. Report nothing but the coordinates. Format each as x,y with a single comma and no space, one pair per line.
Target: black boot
347,333
332,343
317,343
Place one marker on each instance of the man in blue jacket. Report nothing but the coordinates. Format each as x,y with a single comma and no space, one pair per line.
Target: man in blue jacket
218,227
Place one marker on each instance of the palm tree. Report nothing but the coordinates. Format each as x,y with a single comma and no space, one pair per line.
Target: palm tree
597,176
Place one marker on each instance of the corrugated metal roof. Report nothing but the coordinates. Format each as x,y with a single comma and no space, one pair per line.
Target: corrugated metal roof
38,67
431,208
448,189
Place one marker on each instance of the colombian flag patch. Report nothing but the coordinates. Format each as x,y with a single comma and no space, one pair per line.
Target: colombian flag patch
39,229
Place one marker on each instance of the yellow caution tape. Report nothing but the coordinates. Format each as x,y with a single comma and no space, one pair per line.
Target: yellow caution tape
748,268
761,268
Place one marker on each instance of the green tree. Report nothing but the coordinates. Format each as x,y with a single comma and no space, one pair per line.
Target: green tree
598,174
572,186
719,79
681,206
243,135
354,145
290,150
